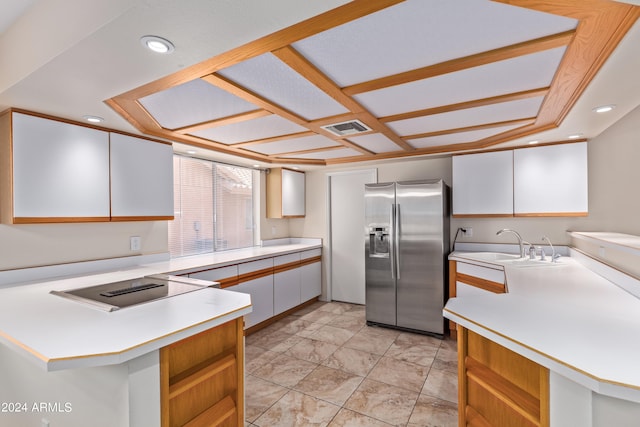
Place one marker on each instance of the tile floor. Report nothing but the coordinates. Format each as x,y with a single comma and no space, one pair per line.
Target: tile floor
322,366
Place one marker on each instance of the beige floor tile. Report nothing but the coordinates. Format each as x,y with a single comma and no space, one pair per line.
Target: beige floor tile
256,357
332,335
285,370
407,338
383,402
308,309
421,354
431,412
298,409
344,321
298,325
410,376
387,332
318,316
276,341
449,344
351,360
347,418
260,396
356,310
371,342
312,350
442,385
336,307
332,385
446,360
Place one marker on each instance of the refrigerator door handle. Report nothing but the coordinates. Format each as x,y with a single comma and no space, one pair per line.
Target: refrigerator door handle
392,239
396,240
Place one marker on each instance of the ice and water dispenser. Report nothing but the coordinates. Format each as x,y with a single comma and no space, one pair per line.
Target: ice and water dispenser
379,242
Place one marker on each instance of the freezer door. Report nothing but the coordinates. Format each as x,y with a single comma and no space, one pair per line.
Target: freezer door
380,294
420,256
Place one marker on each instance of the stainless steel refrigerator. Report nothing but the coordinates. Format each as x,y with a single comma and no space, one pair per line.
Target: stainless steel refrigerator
406,246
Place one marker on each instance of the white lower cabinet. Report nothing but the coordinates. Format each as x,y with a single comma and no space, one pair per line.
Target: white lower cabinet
310,281
261,291
286,290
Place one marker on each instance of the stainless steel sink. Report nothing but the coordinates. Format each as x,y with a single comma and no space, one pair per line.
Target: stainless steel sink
127,293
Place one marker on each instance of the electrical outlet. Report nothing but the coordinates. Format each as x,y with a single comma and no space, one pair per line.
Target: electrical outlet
468,232
135,243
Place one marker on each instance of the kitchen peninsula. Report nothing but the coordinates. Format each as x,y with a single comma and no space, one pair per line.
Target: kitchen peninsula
571,325
130,367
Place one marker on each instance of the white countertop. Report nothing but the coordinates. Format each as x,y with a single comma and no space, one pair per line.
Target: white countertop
58,333
566,318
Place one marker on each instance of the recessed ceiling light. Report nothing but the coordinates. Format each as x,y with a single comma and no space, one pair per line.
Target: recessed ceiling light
191,151
534,142
256,166
604,108
296,167
93,119
157,44
575,136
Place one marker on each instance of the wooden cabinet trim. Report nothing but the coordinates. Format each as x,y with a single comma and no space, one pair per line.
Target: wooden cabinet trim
288,266
220,412
200,373
487,285
254,275
313,260
50,220
142,218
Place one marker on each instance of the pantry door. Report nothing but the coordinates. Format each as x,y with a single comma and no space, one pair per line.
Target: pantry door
346,234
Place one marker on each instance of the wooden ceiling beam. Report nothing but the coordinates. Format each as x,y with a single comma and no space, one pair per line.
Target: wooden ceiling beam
459,64
275,139
224,121
516,96
523,121
306,69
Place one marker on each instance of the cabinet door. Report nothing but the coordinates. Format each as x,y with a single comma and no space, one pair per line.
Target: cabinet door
293,193
551,180
483,184
60,171
286,290
141,178
261,291
310,281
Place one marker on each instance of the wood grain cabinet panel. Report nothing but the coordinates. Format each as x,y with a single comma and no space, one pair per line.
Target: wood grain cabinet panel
202,378
498,387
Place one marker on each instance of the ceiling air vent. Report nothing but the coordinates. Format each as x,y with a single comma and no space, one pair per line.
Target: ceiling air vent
351,127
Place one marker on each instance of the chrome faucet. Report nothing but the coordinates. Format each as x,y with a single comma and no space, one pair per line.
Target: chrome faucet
504,230
554,257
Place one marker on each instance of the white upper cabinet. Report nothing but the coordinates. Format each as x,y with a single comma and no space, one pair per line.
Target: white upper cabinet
285,193
60,171
551,180
141,178
483,184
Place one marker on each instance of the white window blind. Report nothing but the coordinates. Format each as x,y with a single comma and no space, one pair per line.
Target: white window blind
213,207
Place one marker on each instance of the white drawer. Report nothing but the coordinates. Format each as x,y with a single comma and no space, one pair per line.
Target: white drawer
486,273
286,259
216,274
257,265
311,253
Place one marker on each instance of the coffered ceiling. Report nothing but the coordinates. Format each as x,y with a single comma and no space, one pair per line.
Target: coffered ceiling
420,77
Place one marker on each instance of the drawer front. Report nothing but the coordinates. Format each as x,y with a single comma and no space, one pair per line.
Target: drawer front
253,266
217,274
286,259
491,274
311,253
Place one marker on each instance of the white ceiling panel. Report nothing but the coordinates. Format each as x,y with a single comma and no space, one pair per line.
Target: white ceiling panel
293,144
430,32
269,77
460,137
264,127
193,102
470,117
376,142
329,154
514,75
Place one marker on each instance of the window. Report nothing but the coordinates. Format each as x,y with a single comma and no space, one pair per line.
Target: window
213,207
